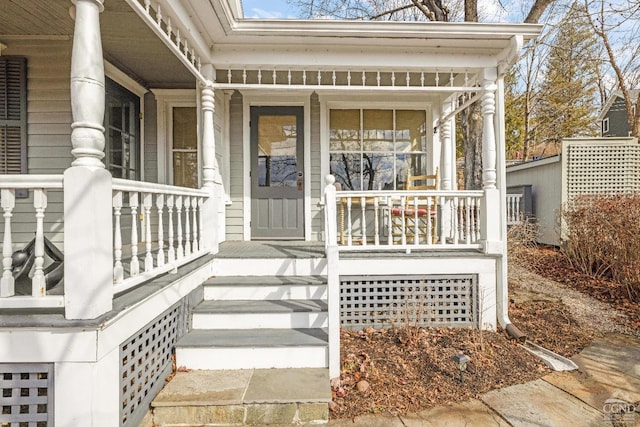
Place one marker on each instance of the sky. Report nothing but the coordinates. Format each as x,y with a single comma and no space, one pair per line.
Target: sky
491,10
269,9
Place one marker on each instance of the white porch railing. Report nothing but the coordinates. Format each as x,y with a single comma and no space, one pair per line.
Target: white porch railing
38,186
405,220
514,213
156,228
160,212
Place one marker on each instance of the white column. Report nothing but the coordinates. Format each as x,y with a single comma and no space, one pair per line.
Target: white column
491,215
88,241
210,173
446,150
488,129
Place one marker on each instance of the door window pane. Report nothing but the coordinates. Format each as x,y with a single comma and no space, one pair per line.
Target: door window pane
277,151
185,169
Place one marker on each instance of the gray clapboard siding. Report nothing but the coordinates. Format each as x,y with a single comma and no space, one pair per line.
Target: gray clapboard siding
234,212
49,131
150,117
317,182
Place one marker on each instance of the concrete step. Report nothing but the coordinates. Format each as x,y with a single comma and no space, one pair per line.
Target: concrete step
270,266
221,349
265,288
249,314
244,397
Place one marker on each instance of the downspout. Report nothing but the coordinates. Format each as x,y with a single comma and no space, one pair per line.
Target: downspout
502,289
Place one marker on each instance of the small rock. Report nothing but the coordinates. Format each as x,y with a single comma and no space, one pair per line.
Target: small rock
362,386
369,330
333,406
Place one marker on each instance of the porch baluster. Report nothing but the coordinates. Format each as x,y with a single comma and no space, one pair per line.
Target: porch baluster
403,222
194,224
39,287
376,225
429,221
171,252
160,207
187,228
455,219
147,204
349,239
416,228
147,5
363,207
134,268
349,78
180,249
378,78
201,221
468,219
443,226
118,269
274,76
408,79
7,283
476,220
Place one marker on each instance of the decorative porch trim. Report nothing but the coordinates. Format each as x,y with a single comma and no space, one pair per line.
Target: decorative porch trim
440,81
181,43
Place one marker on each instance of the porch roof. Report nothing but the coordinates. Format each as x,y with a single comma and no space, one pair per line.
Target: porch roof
218,34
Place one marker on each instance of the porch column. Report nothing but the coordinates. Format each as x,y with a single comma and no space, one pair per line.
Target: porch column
491,213
445,135
88,243
210,173
488,130
445,172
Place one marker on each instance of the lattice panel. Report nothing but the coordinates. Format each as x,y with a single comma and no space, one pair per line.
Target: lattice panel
145,362
408,300
602,169
27,395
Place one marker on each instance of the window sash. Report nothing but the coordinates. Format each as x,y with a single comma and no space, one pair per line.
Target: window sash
373,149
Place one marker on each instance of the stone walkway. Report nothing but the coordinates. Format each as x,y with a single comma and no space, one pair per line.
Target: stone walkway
605,391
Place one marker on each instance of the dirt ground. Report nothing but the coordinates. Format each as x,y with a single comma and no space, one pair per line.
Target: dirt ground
411,369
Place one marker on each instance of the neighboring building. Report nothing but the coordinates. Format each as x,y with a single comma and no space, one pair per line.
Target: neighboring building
158,144
586,166
613,117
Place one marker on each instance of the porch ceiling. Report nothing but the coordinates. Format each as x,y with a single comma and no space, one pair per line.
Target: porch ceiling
127,41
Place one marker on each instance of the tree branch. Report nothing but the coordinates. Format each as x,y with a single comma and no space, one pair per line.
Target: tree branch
536,11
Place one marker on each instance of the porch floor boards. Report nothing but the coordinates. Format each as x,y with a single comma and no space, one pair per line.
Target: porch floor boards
271,249
279,249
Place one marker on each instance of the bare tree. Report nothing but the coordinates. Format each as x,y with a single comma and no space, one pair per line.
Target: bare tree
620,21
433,10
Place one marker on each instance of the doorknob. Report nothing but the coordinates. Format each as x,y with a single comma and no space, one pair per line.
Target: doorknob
299,181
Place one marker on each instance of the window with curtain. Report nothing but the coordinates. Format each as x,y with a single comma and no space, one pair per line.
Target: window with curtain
13,117
375,149
185,147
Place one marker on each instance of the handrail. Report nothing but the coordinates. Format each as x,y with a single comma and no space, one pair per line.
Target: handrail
120,184
20,182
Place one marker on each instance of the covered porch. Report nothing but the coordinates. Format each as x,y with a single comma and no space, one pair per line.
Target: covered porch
149,172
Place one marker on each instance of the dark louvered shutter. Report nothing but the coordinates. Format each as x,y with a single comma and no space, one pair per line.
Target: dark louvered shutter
13,116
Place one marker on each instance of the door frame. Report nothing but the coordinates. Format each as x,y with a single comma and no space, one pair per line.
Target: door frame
271,99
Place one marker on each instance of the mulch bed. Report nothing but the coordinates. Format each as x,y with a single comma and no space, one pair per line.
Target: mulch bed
410,369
